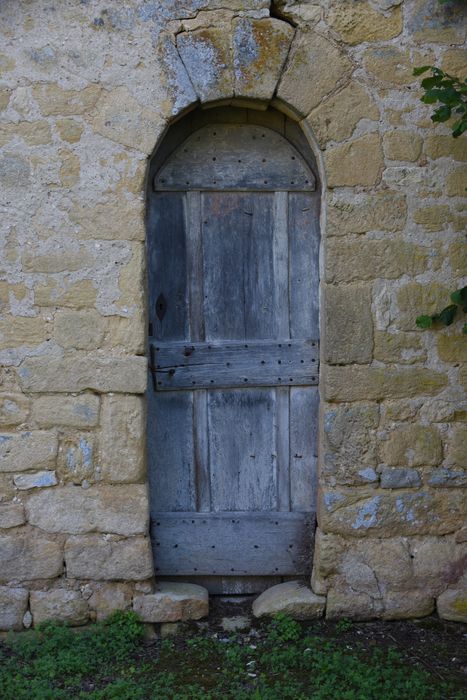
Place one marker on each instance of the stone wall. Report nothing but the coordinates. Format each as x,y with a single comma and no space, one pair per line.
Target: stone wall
86,91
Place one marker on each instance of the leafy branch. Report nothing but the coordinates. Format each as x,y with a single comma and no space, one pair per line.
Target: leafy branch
450,92
447,316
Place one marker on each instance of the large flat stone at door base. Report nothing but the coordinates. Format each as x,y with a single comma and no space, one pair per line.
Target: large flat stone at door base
292,598
172,602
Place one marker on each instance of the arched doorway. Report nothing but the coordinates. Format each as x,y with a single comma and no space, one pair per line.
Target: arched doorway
233,242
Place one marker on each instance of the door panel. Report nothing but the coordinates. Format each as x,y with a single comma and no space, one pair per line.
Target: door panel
233,405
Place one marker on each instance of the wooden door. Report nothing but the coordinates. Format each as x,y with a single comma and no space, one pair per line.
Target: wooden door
233,242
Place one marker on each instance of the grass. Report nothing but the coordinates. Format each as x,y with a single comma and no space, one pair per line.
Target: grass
112,661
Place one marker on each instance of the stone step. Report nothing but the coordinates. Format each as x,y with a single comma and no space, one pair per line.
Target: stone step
172,602
292,598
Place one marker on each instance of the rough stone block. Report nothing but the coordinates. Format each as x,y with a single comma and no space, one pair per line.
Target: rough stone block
13,605
11,515
116,219
79,330
314,69
444,146
356,383
292,598
101,558
119,509
434,218
456,453
81,371
29,450
29,554
389,64
455,182
68,411
14,409
335,119
122,447
365,259
412,445
60,605
77,459
360,22
69,130
454,61
402,145
172,602
356,162
106,598
406,605
458,255
206,56
123,120
348,324
452,604
74,295
350,605
386,513
55,101
56,259
260,48
35,480
385,211
451,348
33,133
400,478
426,21
446,478
22,331
401,348
414,299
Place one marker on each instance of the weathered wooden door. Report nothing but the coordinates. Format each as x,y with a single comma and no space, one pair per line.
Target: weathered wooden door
233,241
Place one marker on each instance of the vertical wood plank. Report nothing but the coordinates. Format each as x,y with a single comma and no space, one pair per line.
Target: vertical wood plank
201,451
282,448
194,255
304,269
304,403
281,266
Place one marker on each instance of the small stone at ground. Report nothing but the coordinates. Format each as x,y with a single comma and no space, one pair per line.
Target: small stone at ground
293,598
232,624
172,602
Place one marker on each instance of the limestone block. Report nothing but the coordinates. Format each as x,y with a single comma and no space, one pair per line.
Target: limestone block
127,332
77,457
403,410
69,130
350,444
385,211
115,219
362,383
260,48
452,604
402,145
172,602
29,554
454,62
442,146
458,256
402,348
60,605
179,92
13,605
350,605
121,118
70,168
414,299
101,558
455,182
292,598
356,162
35,480
7,488
348,324
365,259
392,513
434,218
314,69
81,330
357,22
61,259
448,478
5,94
119,509
22,331
451,348
80,371
35,133
437,562
335,119
122,445
15,172
106,598
412,445
30,450
400,478
407,604
11,515
206,56
456,453
14,409
68,411
389,64
427,21
55,101
74,295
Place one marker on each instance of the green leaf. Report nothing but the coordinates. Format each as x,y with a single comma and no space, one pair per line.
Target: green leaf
464,329
428,83
442,114
459,296
420,70
447,315
424,322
